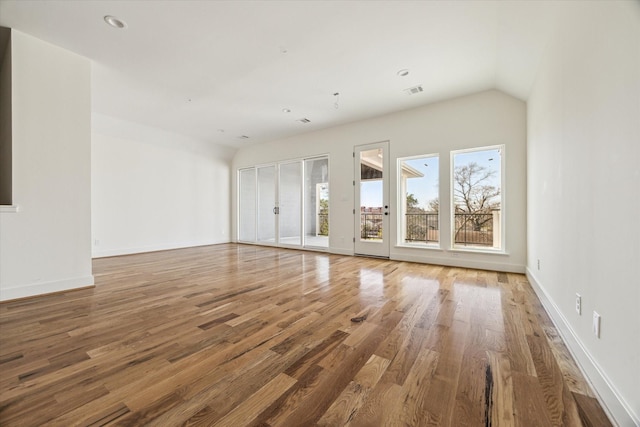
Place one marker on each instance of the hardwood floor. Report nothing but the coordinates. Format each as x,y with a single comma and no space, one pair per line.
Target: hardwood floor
236,335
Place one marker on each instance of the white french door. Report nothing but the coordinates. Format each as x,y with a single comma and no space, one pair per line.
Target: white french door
372,199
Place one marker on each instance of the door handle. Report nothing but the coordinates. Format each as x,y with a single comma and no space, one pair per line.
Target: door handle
276,210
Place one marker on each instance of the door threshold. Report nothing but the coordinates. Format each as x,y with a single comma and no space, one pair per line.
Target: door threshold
371,256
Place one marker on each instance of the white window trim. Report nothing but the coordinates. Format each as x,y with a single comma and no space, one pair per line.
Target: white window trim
503,248
401,205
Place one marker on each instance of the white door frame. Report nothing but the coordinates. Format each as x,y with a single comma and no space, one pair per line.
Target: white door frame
372,245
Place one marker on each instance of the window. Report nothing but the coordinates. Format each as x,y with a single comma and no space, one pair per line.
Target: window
477,205
418,200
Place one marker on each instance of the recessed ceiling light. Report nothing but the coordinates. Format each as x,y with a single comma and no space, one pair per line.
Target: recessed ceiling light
115,22
286,110
404,72
243,137
304,120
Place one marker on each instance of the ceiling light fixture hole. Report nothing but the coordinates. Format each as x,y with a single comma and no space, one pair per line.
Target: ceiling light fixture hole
403,73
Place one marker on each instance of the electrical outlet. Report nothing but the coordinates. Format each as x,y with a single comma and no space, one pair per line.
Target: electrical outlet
96,242
578,304
596,324
538,265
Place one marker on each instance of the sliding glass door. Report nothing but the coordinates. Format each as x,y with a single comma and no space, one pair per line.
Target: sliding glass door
290,200
247,205
316,202
285,204
267,208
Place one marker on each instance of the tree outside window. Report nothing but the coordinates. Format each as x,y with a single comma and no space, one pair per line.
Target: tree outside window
477,197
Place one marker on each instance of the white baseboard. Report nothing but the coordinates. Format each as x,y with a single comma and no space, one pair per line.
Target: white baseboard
151,248
45,288
460,262
617,409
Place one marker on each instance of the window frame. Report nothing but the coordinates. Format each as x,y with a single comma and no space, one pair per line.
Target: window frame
401,206
503,203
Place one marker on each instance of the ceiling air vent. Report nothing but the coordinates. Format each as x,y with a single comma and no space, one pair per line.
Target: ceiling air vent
304,120
414,90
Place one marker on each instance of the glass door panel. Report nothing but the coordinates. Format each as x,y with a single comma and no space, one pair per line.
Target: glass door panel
316,202
247,205
290,212
267,208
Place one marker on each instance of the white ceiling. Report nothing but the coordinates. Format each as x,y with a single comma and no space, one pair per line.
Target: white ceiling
199,67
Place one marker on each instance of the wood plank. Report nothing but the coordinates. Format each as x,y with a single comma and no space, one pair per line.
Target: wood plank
249,410
529,403
345,407
500,410
591,413
558,397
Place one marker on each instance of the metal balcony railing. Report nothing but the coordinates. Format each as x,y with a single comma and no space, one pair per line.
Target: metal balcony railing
422,227
474,229
323,224
370,226
470,228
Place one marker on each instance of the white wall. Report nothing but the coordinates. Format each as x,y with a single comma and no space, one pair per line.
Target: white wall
487,118
45,246
584,192
154,190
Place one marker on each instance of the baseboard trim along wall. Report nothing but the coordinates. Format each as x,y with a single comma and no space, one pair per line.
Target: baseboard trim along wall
151,248
617,409
461,262
37,289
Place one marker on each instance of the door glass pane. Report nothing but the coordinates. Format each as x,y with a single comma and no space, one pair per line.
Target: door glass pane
371,195
290,203
247,206
316,202
477,198
267,204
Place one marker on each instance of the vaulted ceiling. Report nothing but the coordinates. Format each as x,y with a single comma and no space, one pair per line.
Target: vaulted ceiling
217,70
